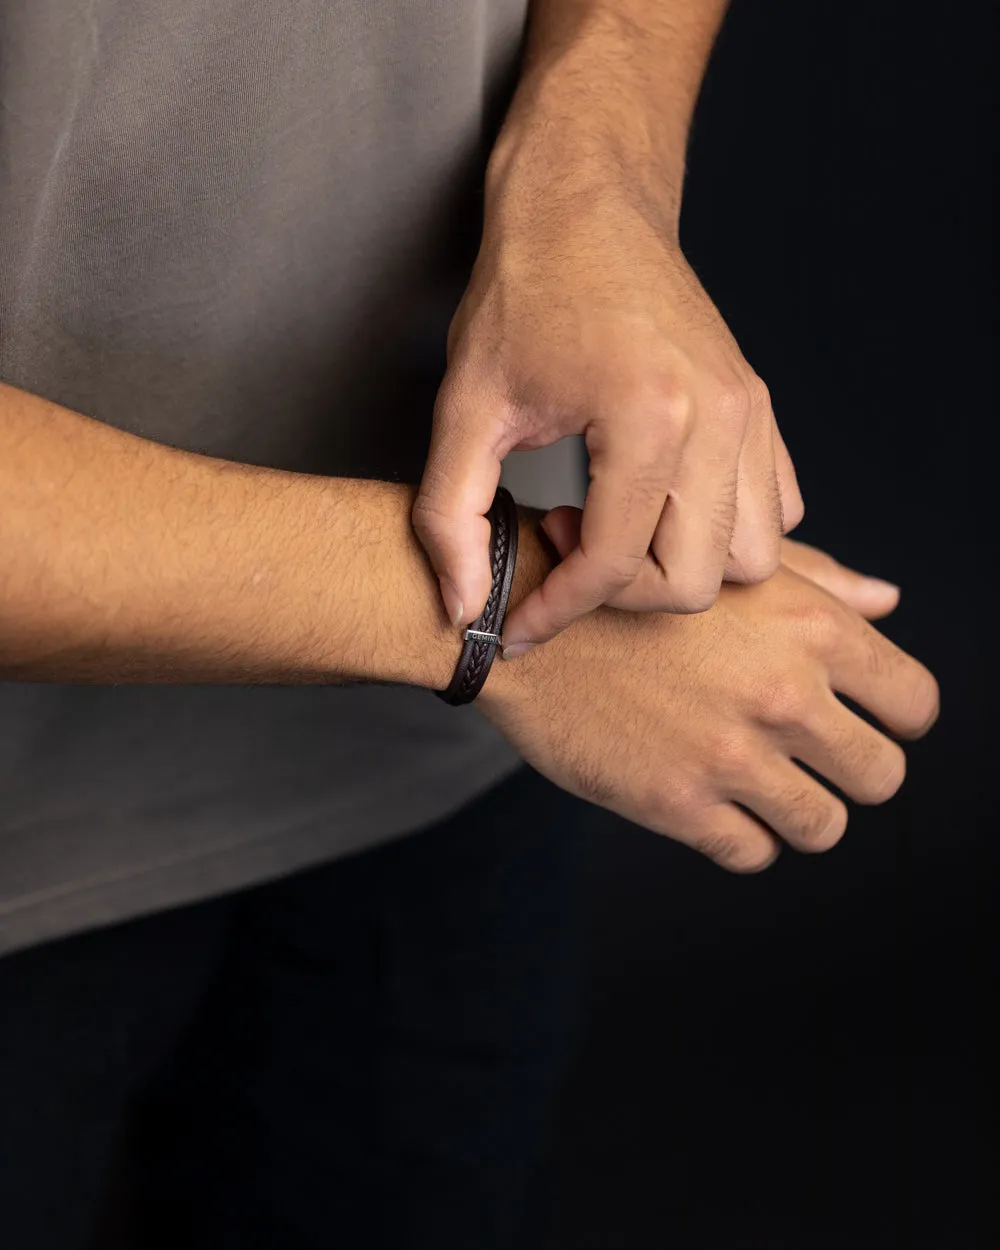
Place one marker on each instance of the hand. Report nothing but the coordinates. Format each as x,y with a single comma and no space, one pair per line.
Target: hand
694,725
583,317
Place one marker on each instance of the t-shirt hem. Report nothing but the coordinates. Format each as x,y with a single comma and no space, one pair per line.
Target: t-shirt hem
215,871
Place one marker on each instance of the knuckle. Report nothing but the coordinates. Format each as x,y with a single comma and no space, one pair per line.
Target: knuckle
816,724
731,401
655,399
657,408
720,846
820,824
760,394
757,564
658,812
682,799
677,415
693,599
675,805
655,806
645,452
873,766
735,852
723,517
820,624
793,510
688,593
879,656
731,755
783,703
427,516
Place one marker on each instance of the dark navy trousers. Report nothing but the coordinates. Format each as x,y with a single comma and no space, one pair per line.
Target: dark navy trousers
361,1055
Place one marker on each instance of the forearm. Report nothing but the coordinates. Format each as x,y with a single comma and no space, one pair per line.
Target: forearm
614,75
123,560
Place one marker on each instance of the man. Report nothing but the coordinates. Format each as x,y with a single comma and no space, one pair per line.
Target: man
231,240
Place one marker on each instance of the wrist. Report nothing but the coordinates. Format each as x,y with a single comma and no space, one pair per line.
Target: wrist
607,91
558,147
405,636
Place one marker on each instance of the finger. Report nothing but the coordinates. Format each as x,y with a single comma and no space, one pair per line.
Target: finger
870,596
755,548
629,480
695,532
864,665
459,482
793,508
731,838
800,810
645,594
863,763
562,526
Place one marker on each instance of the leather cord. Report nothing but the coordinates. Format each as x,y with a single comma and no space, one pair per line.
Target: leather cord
483,635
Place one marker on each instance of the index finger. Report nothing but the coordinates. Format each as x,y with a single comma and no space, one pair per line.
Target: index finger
628,487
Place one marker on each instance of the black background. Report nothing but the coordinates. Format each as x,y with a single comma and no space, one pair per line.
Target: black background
799,1060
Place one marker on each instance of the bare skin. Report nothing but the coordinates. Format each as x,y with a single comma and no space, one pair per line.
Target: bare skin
583,316
673,721
122,560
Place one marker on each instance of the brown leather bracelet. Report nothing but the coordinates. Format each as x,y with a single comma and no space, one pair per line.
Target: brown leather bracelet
483,636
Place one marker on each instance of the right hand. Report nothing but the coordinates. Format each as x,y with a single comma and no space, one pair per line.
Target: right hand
693,725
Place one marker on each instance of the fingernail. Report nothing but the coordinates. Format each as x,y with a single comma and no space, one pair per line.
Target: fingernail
452,601
515,649
881,586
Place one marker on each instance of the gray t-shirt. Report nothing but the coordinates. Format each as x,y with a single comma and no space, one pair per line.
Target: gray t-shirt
238,227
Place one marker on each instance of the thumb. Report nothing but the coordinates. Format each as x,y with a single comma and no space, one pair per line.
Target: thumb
562,527
449,513
870,596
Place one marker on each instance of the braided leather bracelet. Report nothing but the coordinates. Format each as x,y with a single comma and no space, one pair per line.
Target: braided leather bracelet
483,636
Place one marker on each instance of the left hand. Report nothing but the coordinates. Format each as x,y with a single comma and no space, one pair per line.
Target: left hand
582,316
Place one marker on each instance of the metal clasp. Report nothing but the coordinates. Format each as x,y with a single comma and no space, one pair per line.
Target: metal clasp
480,635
